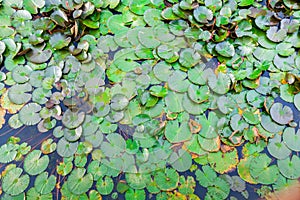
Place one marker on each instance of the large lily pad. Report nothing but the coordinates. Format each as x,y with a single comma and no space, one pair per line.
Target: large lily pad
262,171
79,182
72,120
288,167
29,115
13,183
34,163
281,114
291,138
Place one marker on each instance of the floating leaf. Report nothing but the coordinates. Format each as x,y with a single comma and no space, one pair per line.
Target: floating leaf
29,115
276,35
18,93
39,57
281,114
44,184
8,153
203,14
34,163
78,182
181,161
289,167
72,120
177,133
65,148
219,84
105,185
291,138
167,180
13,183
277,148
261,170
223,162
225,49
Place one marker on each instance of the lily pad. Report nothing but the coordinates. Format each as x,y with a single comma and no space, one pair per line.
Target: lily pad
65,148
291,138
44,184
18,93
13,183
72,120
223,162
219,84
281,114
39,57
289,167
105,185
277,148
119,102
79,182
177,133
203,14
262,171
8,153
181,161
29,115
34,163
167,180
225,49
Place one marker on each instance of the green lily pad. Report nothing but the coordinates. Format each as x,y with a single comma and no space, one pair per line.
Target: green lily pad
21,74
72,120
44,184
119,102
262,171
105,185
189,58
153,17
276,35
289,167
135,194
34,163
244,169
291,138
39,57
8,153
220,189
65,148
219,84
13,183
18,93
281,114
277,148
137,180
59,41
167,180
203,14
225,49
29,115
297,101
177,133
181,161
147,38
72,135
114,146
162,71
207,176
79,182
251,117
178,81
223,162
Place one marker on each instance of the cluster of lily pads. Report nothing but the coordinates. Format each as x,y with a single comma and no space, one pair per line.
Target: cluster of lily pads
133,95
